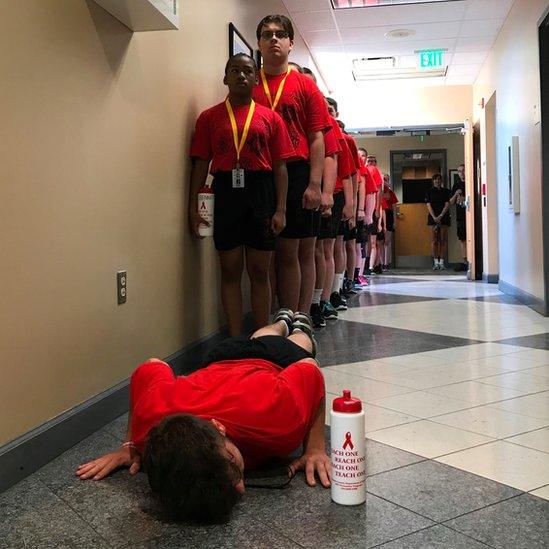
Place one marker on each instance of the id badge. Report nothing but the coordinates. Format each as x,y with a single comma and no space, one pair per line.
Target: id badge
238,178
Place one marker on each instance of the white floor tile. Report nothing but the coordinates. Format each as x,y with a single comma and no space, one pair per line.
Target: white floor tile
491,422
516,466
538,371
536,405
421,404
366,389
475,393
508,363
428,439
541,492
538,440
471,352
518,381
540,355
380,371
414,361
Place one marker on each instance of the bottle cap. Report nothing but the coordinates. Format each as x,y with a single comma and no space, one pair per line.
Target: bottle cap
347,404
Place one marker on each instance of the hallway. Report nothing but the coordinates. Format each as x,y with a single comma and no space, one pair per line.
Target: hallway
455,377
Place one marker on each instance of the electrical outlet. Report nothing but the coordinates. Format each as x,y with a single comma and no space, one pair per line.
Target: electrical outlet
121,286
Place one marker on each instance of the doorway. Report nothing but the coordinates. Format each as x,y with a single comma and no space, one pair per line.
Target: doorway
544,80
412,171
478,207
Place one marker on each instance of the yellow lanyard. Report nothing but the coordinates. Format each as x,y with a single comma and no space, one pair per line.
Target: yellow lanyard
239,145
278,95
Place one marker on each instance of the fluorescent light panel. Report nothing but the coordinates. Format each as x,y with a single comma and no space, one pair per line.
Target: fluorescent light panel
349,4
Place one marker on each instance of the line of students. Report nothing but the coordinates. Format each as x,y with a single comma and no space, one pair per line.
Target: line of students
285,179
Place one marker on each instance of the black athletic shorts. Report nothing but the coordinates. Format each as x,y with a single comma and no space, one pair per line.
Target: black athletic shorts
300,223
461,230
349,234
242,217
371,228
361,236
444,221
390,220
380,236
330,225
276,349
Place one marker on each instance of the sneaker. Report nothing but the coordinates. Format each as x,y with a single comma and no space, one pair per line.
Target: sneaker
436,267
378,269
286,315
328,311
316,316
343,299
362,280
306,328
372,272
441,266
338,303
349,287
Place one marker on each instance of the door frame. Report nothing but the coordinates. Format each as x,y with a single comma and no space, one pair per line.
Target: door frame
543,36
469,194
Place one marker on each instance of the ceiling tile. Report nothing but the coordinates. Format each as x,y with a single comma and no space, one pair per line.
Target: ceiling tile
469,58
464,70
401,15
425,31
488,9
307,5
390,47
314,20
474,44
486,27
321,38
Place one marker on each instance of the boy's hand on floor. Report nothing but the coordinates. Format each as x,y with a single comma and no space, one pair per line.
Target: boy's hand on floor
314,461
101,467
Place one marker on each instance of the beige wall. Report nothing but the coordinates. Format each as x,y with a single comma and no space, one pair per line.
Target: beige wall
398,103
96,123
381,147
512,71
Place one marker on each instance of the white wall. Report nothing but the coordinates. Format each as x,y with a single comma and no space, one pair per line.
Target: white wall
512,71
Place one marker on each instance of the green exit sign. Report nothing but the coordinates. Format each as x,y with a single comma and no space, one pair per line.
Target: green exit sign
430,59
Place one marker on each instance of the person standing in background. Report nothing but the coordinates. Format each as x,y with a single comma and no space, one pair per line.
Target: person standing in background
437,199
458,198
389,201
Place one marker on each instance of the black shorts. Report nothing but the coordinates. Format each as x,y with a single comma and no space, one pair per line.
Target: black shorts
330,225
390,220
361,236
444,221
276,349
461,230
380,236
371,228
242,217
349,234
300,223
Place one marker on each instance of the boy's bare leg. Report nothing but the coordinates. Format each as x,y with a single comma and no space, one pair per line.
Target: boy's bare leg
277,329
303,340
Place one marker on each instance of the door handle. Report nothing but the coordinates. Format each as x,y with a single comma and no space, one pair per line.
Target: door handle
467,203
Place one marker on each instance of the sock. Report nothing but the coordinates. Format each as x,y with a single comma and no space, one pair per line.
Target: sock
316,296
441,262
436,261
338,282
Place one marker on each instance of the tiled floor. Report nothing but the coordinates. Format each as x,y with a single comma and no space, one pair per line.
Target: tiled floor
455,380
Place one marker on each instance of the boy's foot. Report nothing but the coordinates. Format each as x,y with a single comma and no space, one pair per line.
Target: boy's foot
328,312
349,287
317,317
377,269
362,280
287,316
303,324
338,303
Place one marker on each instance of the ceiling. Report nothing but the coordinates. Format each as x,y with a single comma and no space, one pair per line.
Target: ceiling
465,29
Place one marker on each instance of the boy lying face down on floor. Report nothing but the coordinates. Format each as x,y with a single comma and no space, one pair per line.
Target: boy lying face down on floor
257,399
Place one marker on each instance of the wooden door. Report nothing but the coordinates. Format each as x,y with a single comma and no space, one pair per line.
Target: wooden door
412,235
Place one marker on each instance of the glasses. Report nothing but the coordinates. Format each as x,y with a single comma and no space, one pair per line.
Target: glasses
268,35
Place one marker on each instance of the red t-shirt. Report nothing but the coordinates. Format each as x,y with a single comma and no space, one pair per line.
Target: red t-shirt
267,410
373,178
267,142
353,150
388,198
302,107
331,142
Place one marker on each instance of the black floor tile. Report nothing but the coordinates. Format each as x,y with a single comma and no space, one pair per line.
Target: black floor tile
347,341
368,299
381,457
309,517
538,341
438,491
436,537
503,298
33,517
518,523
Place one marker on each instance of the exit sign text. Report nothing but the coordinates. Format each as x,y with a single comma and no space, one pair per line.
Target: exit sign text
431,59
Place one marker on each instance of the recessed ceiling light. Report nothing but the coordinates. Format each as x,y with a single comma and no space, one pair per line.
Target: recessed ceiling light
399,33
349,4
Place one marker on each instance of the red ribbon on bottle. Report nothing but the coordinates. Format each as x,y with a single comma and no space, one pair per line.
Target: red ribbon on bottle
348,441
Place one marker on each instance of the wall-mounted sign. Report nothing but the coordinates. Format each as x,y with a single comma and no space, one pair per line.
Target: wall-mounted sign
430,59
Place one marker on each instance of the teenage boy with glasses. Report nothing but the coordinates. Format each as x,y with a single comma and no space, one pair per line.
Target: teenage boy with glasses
300,103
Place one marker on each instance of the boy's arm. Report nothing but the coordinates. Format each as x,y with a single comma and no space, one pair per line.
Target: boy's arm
278,221
317,149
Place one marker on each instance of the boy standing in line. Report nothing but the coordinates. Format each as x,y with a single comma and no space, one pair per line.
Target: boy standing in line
300,103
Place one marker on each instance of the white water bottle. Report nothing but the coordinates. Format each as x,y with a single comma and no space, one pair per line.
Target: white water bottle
348,450
206,211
